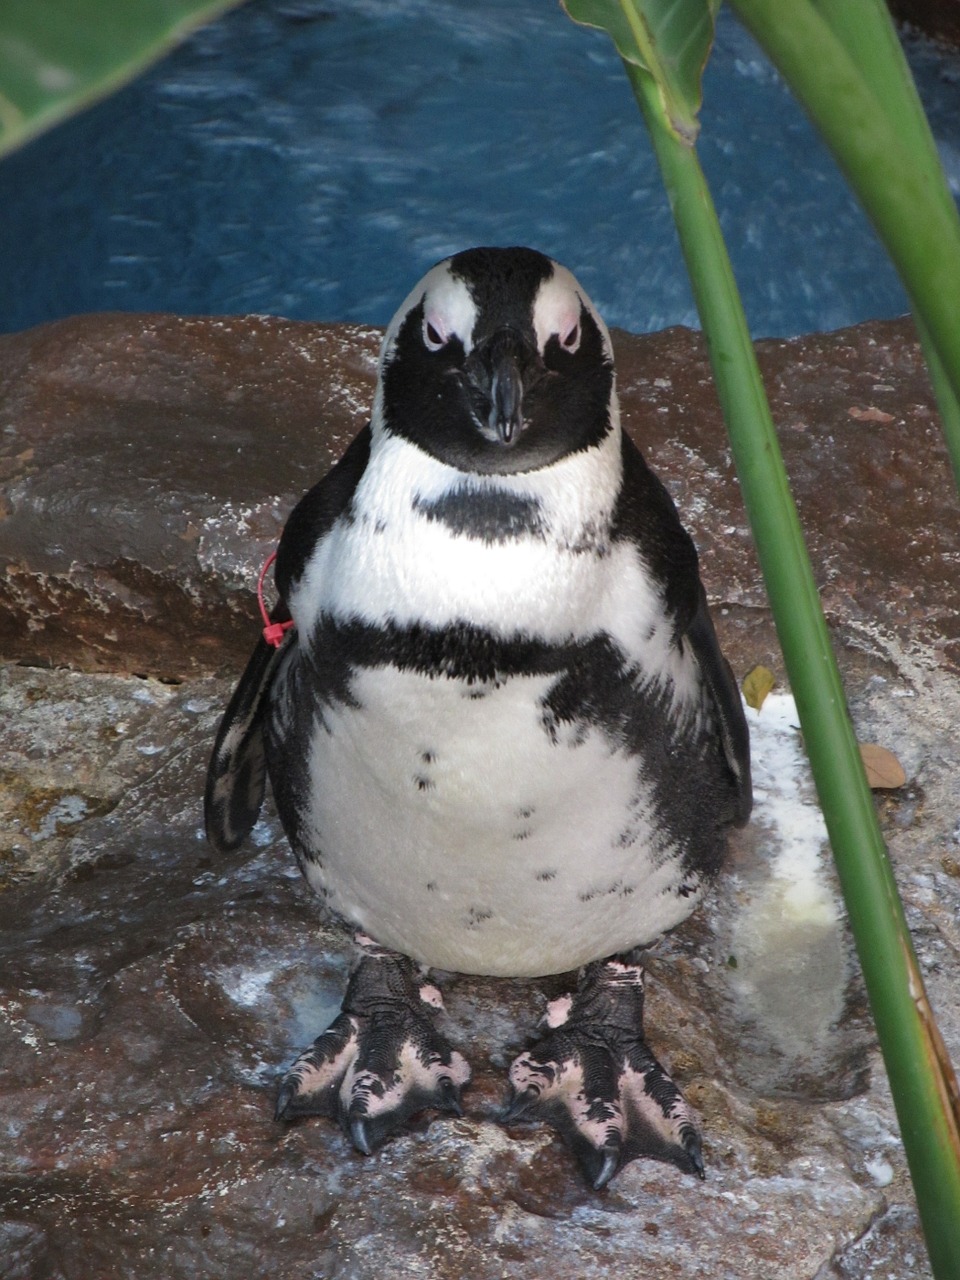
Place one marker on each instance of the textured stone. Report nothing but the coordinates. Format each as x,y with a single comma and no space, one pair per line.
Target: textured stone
147,463
150,461
150,991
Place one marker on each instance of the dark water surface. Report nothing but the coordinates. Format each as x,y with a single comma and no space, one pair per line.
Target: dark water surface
311,159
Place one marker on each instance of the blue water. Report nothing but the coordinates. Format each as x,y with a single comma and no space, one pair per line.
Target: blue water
311,159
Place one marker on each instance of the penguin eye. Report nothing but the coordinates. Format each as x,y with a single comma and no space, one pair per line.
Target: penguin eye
433,339
570,341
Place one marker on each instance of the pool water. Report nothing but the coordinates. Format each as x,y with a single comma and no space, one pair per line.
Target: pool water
312,159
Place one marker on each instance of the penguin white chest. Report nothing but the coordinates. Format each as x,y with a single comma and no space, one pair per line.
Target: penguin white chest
457,823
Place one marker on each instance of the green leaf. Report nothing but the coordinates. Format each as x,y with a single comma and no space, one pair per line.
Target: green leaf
668,39
57,56
845,65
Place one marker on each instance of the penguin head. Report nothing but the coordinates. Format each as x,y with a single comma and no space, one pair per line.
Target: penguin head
497,363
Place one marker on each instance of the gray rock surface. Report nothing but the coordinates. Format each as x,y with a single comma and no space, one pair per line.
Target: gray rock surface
150,991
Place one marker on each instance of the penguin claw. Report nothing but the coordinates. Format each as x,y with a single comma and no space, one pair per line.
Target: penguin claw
360,1138
519,1104
595,1079
380,1061
448,1096
694,1148
285,1096
610,1165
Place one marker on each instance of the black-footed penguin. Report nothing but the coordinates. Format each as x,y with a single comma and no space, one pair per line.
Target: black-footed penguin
500,732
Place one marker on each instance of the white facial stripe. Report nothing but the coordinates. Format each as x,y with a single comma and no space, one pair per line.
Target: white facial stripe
447,306
451,311
557,308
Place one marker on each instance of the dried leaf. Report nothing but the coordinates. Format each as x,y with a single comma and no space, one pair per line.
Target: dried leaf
884,770
872,414
756,685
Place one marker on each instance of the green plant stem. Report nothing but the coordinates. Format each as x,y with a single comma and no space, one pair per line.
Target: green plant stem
876,915
870,37
947,400
845,65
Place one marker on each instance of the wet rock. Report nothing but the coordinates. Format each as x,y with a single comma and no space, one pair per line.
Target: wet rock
151,991
149,463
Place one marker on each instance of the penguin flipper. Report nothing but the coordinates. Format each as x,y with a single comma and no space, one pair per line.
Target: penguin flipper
728,707
236,777
237,773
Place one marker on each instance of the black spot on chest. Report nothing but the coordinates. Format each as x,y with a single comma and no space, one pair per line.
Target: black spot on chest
487,515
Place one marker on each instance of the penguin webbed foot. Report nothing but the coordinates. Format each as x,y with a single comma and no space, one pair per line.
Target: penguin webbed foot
381,1061
595,1079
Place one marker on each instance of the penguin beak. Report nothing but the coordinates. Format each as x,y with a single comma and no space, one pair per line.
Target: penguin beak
506,400
499,370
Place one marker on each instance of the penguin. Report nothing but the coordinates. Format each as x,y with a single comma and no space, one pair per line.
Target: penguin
500,733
